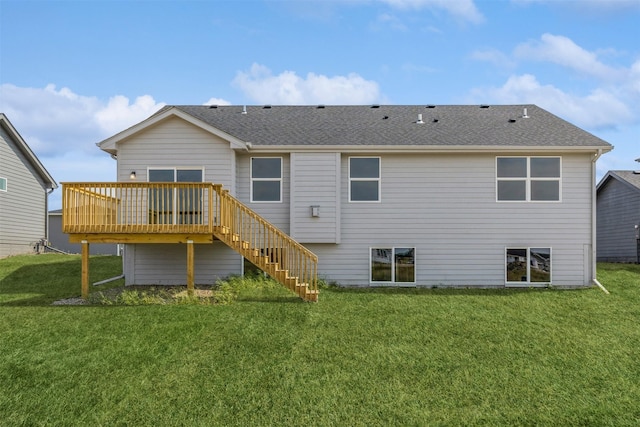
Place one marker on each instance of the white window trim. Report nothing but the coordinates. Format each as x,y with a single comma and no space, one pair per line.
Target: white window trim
528,283
528,179
378,179
6,184
252,179
393,267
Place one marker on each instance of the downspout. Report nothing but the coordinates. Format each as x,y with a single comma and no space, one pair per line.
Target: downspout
594,257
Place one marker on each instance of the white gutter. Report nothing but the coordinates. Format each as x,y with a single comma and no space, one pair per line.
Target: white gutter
594,191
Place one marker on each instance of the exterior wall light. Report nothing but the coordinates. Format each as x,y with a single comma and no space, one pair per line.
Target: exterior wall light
132,175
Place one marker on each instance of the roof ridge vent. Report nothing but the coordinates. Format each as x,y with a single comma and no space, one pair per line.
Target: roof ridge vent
375,106
430,106
484,106
419,119
320,106
213,106
266,107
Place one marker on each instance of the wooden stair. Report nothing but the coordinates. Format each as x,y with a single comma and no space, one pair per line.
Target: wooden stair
267,247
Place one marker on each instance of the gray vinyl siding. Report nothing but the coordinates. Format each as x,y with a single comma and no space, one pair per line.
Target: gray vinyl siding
275,212
618,211
60,240
175,143
315,180
166,264
23,205
445,206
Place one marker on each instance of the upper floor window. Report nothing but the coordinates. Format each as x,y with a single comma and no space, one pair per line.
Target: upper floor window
364,179
3,184
266,179
528,179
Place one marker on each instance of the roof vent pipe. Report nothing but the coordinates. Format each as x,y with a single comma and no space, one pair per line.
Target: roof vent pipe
244,109
524,113
420,119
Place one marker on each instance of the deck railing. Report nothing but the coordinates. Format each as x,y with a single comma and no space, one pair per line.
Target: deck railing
129,207
187,208
264,244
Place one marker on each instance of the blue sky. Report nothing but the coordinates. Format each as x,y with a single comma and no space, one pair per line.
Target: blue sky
75,72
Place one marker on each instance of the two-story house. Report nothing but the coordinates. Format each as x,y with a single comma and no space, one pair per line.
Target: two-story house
383,195
24,188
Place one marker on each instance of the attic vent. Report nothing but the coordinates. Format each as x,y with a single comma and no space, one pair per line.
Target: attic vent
375,106
484,106
636,172
385,117
512,120
436,120
320,106
213,106
430,106
267,107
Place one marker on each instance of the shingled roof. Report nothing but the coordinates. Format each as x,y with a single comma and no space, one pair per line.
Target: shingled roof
420,126
629,178
448,125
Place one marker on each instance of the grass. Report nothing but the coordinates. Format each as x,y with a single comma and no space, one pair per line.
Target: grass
358,357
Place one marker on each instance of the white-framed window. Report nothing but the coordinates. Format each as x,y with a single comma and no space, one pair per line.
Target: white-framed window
266,179
527,266
3,184
392,265
364,179
173,205
528,179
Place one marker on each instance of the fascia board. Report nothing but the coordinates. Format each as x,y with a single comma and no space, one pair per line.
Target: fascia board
110,144
423,149
613,175
30,155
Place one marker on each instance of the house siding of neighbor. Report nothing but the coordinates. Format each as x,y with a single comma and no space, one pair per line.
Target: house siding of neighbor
385,195
24,187
59,240
618,215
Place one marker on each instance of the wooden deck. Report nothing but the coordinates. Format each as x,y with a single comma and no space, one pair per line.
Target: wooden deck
185,213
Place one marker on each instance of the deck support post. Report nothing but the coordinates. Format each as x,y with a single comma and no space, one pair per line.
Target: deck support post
85,269
190,268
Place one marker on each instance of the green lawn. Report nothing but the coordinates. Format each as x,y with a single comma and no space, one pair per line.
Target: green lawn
357,358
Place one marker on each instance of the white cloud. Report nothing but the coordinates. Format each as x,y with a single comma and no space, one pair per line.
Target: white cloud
463,10
598,109
118,114
390,21
589,6
55,121
263,87
563,51
217,101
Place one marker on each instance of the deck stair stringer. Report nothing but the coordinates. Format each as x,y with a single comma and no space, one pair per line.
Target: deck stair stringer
267,247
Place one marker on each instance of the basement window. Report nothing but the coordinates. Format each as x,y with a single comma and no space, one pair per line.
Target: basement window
393,265
528,266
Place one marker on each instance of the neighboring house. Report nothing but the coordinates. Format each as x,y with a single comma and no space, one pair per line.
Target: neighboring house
60,241
618,213
24,188
470,196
